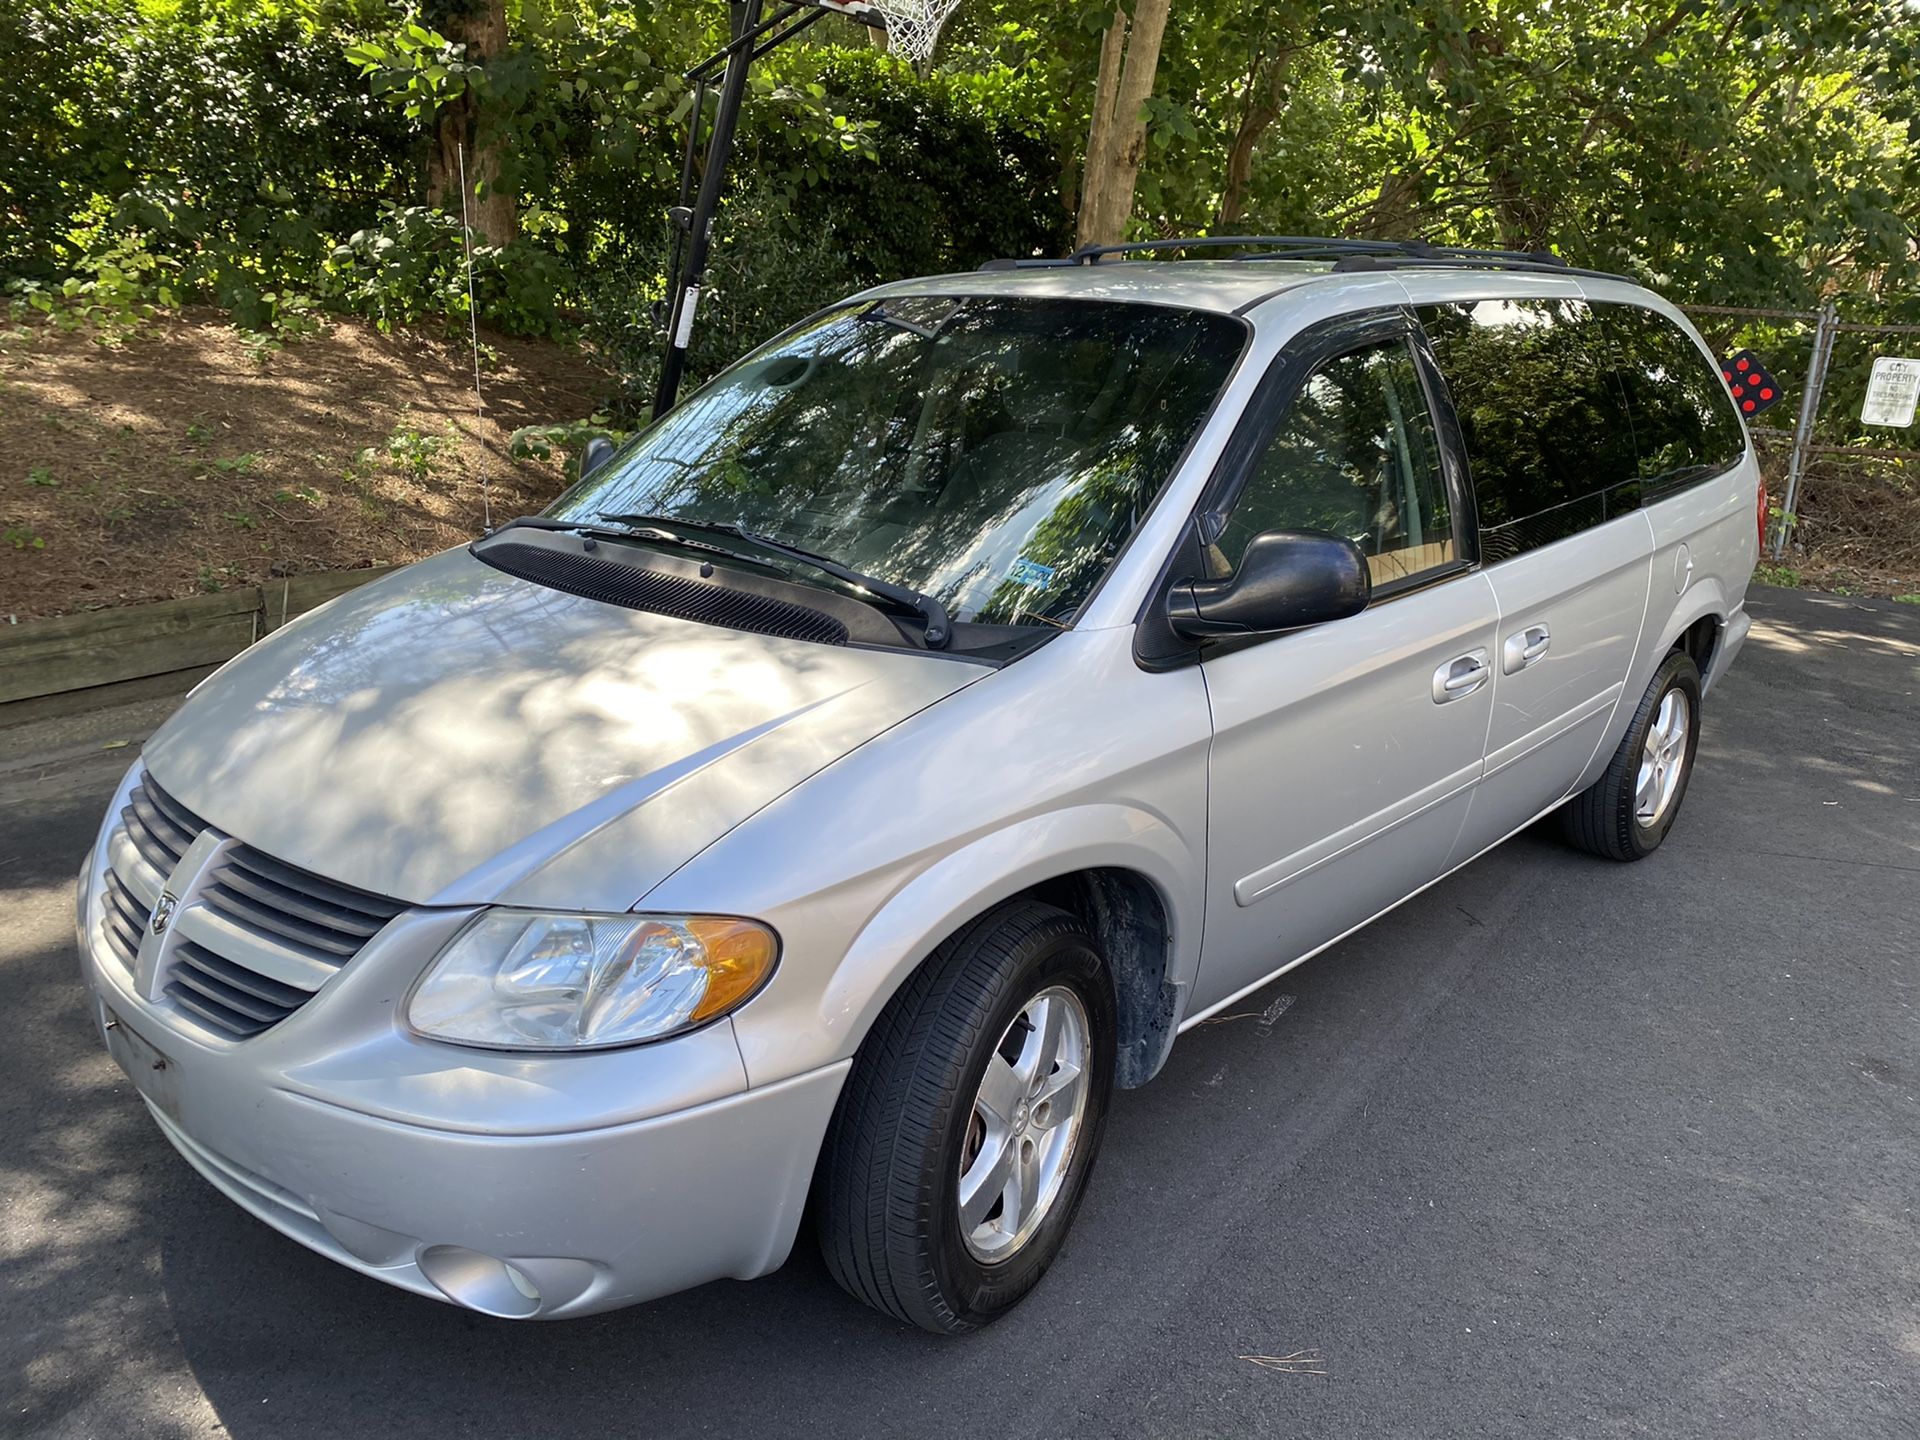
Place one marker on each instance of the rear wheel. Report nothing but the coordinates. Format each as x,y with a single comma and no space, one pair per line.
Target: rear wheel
1627,812
963,1141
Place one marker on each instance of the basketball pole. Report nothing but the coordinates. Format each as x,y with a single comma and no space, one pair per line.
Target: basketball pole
752,38
686,296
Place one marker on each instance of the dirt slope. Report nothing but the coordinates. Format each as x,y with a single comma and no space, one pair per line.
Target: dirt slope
184,460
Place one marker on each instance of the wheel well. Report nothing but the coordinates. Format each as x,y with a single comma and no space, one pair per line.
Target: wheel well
1128,918
1698,641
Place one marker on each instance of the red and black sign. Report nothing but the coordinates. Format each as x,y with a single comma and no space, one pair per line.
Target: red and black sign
1753,386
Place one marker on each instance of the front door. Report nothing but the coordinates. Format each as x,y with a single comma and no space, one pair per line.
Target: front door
1344,756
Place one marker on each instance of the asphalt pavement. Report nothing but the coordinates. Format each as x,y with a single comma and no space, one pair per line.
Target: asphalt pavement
1559,1148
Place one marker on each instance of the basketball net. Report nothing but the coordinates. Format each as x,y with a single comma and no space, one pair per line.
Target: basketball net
913,26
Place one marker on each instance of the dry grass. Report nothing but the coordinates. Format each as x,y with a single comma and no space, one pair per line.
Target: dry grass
1859,522
184,460
1860,527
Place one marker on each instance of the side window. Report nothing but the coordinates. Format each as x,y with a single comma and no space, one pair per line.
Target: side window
1356,456
1684,426
1545,422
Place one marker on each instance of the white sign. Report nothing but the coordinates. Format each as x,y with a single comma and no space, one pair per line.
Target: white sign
1892,390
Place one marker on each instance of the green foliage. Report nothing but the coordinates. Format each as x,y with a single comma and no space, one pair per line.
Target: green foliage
115,290
1756,154
417,70
918,175
206,151
270,159
569,438
413,450
769,270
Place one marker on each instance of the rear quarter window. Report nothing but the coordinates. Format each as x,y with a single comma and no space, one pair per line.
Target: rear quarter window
1548,435
1685,429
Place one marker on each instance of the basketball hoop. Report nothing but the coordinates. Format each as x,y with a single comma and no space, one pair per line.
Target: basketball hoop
913,26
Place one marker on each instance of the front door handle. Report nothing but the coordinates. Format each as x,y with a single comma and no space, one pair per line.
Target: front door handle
1460,677
1523,647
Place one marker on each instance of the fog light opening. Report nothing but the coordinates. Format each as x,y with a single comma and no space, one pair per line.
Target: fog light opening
480,1282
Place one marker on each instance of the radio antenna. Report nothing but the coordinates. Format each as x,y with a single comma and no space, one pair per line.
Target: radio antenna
473,326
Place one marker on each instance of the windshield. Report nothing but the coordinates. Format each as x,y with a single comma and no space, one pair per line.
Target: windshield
994,453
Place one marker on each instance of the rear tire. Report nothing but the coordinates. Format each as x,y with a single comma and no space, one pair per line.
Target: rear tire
932,1205
1627,812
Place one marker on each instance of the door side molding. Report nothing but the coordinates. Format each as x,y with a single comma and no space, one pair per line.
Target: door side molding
1266,880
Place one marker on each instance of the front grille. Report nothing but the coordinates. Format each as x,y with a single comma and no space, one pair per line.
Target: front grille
124,920
260,936
157,829
160,827
322,920
229,997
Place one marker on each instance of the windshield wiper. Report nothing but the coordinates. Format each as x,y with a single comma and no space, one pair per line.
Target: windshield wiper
619,529
939,627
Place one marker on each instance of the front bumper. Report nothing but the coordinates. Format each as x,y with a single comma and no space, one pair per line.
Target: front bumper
526,1186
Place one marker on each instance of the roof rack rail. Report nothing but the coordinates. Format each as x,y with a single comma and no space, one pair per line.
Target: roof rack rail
1282,247
1447,261
1347,254
1269,247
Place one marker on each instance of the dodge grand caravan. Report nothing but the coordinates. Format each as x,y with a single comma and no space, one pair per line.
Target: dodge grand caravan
847,783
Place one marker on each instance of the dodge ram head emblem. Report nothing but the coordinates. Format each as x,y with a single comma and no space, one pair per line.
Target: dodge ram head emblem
163,911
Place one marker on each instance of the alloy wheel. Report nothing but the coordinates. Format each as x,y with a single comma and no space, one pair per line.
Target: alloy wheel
1025,1123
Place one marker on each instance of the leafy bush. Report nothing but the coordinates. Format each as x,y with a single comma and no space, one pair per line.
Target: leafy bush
411,265
231,141
956,169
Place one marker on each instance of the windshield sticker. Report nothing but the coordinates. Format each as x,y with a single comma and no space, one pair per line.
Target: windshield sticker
1031,572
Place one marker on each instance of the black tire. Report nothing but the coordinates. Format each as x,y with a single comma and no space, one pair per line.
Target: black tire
1603,819
887,1198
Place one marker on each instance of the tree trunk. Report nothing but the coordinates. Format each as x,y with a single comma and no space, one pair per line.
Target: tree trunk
490,209
1117,137
1391,215
1106,84
1264,93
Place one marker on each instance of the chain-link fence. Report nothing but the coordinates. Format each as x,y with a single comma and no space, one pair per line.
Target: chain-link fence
1845,493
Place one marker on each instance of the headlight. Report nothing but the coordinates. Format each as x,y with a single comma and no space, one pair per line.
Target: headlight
533,980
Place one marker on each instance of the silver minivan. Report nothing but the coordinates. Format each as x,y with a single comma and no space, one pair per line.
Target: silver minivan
837,792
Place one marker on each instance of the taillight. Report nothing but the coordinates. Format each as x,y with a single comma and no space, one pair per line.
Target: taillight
1761,518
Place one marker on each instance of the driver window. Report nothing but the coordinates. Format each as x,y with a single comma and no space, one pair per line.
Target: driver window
1357,457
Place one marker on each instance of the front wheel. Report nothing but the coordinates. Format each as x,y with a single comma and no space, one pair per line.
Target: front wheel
1627,812
963,1141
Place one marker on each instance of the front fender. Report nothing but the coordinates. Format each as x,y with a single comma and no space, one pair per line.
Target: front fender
927,905
1072,758
996,867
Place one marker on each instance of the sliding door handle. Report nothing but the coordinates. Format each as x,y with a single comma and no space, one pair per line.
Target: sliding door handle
1460,677
1523,647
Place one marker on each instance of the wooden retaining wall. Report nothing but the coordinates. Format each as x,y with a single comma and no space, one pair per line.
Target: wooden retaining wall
72,662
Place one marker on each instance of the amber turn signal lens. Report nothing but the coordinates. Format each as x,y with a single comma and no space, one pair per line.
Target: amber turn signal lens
739,956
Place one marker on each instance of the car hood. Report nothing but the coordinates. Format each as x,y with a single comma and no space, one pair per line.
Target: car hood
450,734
